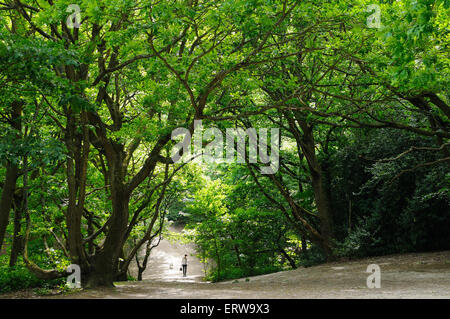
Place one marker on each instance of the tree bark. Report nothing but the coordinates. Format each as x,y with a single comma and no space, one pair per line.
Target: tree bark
9,187
17,244
304,246
45,274
12,173
106,260
290,260
321,194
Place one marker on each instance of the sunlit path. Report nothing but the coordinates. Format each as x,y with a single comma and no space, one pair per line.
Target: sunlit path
425,275
165,262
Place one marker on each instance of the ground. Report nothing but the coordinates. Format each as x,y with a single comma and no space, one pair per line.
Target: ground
418,275
165,262
402,276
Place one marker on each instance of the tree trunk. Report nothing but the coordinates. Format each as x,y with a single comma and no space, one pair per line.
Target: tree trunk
102,274
290,260
323,208
78,147
238,254
104,271
7,198
321,194
12,172
45,274
105,261
17,244
148,250
304,246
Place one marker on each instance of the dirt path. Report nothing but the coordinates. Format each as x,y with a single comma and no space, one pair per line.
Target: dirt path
424,275
165,262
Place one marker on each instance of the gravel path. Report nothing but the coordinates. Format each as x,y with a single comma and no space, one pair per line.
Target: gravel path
424,275
421,275
165,262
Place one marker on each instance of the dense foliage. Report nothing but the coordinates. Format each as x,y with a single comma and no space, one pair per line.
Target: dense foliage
88,104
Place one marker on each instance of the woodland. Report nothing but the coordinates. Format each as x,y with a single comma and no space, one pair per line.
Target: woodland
91,92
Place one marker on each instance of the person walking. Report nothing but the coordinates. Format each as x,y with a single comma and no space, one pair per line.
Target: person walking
184,265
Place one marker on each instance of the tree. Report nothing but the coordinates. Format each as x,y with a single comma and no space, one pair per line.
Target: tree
97,106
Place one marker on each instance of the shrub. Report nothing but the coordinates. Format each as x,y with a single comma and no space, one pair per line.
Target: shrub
19,277
312,257
236,273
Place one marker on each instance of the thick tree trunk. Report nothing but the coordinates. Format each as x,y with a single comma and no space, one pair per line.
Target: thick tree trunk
306,147
102,274
12,172
104,269
323,208
106,261
9,187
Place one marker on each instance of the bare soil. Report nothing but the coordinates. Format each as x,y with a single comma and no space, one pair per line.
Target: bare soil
419,275
402,276
416,275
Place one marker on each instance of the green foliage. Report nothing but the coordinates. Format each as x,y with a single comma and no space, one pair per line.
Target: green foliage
98,104
414,42
234,237
236,273
19,277
391,210
360,241
312,257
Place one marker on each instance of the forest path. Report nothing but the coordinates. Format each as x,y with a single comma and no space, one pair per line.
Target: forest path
165,262
420,275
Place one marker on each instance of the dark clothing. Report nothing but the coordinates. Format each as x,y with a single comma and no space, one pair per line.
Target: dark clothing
184,270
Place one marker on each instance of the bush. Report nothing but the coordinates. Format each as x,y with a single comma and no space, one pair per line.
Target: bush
19,277
360,241
237,273
313,256
405,214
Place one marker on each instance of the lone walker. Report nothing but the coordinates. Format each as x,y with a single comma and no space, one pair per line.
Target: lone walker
184,265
